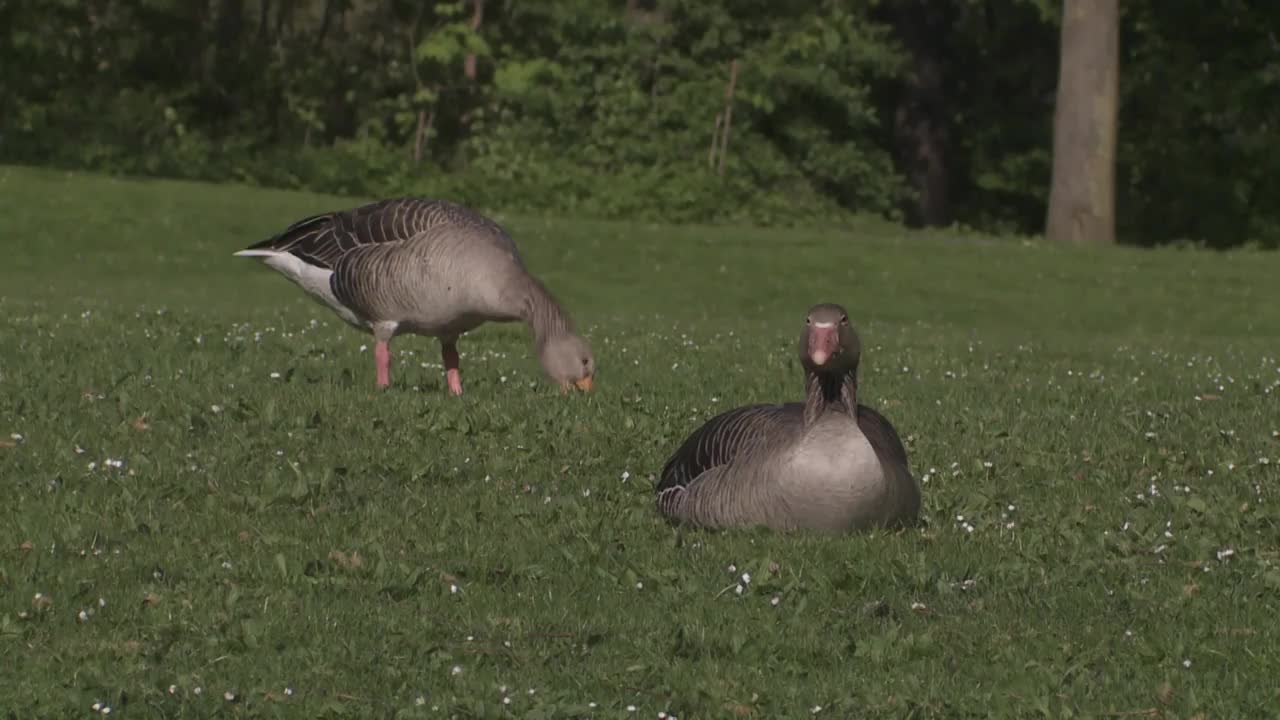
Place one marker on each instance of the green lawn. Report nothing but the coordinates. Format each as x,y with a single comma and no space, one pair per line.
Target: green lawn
200,462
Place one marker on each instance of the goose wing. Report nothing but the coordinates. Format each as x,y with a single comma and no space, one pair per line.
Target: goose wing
728,436
889,450
320,240
883,438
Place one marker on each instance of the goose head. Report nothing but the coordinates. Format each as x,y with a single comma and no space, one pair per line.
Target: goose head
568,361
829,344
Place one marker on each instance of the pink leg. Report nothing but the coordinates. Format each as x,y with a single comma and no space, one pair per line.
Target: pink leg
382,354
449,352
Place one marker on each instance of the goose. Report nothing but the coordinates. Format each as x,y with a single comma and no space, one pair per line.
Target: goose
425,267
828,464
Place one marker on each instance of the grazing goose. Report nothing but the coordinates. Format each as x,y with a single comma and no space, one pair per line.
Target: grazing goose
827,464
426,267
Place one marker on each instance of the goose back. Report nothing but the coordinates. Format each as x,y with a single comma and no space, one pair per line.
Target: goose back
320,240
720,473
727,436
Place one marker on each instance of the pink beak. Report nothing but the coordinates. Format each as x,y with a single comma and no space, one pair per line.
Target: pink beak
824,340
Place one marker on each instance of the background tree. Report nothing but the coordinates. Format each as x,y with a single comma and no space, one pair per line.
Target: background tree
921,115
1082,196
936,112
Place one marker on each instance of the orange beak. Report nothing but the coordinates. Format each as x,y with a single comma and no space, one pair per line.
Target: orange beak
585,384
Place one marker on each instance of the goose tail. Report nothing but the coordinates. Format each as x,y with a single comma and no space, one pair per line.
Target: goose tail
260,253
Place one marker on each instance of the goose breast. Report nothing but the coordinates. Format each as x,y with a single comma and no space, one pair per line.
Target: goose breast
833,478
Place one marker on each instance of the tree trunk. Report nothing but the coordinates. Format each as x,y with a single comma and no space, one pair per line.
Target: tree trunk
920,119
326,18
728,114
284,11
470,68
1082,196
425,123
469,63
264,19
225,72
230,23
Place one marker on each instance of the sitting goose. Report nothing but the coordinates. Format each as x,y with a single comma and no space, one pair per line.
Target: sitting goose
427,267
828,464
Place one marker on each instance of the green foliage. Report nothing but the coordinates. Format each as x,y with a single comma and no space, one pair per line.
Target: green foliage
1002,129
1198,101
1201,127
577,106
279,530
609,108
798,139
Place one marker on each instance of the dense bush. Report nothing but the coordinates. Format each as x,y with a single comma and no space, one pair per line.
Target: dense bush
609,108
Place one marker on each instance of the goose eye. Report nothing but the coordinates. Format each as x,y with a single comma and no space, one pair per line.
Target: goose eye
808,321
844,319
584,362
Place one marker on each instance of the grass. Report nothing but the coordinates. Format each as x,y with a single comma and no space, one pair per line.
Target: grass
212,501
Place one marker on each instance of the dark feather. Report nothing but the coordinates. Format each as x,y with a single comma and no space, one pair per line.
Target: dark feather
883,438
352,271
893,460
724,437
320,240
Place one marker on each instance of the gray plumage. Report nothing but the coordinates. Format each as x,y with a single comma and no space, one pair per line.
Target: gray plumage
827,464
426,267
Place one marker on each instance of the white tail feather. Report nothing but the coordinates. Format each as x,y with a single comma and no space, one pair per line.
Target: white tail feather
315,280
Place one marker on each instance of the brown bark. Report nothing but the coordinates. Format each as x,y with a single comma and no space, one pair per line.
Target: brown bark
1082,194
231,21
418,135
715,140
647,13
326,18
425,122
284,14
264,18
470,68
728,114
228,24
477,16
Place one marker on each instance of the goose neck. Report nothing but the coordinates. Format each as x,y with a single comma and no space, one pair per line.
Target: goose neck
543,313
826,392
